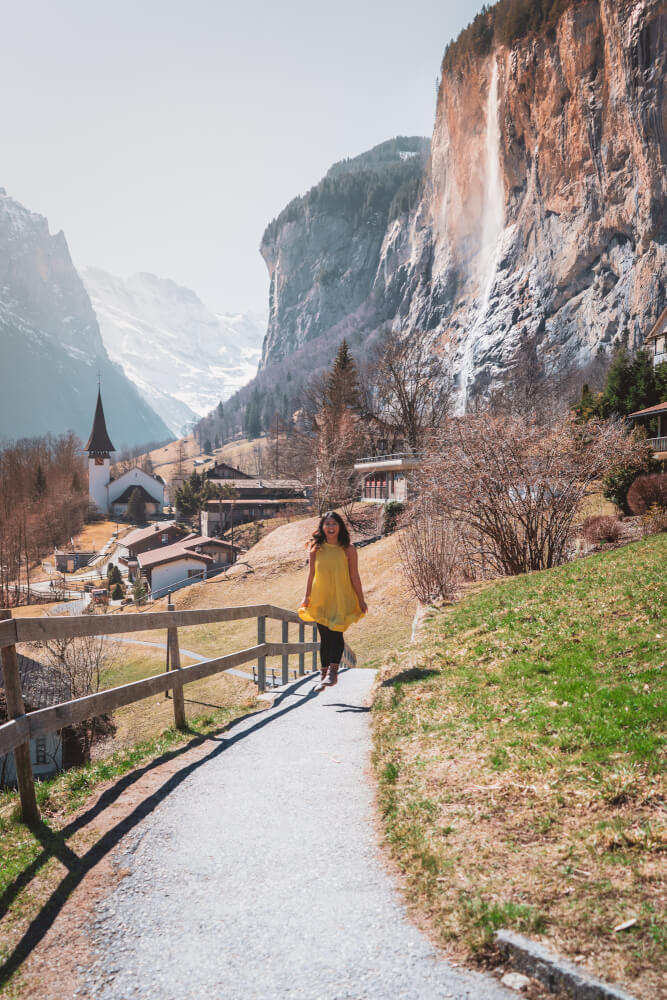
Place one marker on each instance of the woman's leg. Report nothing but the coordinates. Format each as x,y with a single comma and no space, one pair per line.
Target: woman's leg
335,651
324,647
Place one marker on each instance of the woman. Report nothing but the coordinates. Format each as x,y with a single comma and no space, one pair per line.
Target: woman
334,598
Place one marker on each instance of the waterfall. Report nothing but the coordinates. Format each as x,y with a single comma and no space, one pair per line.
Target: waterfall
492,224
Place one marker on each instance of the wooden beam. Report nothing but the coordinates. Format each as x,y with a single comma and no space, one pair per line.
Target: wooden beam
15,710
175,663
13,733
36,629
8,632
49,720
261,660
284,676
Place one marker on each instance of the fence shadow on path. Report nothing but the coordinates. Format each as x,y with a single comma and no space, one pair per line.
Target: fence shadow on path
54,843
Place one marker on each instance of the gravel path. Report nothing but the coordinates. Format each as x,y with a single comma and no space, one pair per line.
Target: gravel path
259,876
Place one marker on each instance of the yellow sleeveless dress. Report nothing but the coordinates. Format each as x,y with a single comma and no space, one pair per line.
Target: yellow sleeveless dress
333,601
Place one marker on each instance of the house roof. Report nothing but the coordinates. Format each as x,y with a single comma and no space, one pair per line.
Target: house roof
262,484
140,534
255,502
658,327
126,494
99,443
170,553
231,468
193,540
42,685
650,411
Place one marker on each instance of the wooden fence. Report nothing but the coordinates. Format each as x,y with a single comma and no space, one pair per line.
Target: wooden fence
16,734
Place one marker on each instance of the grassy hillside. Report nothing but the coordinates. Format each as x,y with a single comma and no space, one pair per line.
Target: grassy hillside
519,757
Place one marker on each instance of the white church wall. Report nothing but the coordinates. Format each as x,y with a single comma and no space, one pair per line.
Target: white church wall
98,479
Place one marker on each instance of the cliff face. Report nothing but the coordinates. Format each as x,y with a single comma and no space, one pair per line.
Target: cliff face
51,344
542,216
323,251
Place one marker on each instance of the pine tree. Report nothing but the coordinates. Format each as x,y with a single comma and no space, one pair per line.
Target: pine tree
221,410
642,391
39,485
615,395
343,382
136,508
208,447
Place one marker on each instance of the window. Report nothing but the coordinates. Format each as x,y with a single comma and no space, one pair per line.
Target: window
40,751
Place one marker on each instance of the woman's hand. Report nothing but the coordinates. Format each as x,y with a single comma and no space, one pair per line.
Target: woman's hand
306,601
363,606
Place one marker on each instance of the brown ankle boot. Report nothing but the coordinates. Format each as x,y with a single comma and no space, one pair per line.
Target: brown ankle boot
332,677
323,679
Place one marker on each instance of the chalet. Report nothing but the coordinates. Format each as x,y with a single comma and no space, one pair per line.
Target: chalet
656,339
659,414
223,471
42,686
109,495
385,477
193,558
154,536
69,560
219,515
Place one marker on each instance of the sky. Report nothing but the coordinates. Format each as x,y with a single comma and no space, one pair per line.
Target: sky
163,135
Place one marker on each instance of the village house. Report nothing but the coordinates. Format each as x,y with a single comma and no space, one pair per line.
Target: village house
190,559
385,477
154,536
252,499
109,495
658,413
42,686
656,339
69,560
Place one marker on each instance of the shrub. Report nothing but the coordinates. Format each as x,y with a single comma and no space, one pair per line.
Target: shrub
392,512
654,521
429,549
117,593
647,492
601,528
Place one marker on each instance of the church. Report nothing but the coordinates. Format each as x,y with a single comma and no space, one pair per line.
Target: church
111,496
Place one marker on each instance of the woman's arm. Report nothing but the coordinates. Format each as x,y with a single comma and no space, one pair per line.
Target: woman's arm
353,566
311,574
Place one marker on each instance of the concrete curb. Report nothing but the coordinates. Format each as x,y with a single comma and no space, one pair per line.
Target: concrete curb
557,974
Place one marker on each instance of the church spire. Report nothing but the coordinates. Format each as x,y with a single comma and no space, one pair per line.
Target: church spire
99,443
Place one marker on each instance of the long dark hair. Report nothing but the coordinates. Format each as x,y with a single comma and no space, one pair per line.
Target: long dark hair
318,537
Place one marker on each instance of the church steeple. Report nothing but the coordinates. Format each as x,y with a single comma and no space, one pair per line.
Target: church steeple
99,443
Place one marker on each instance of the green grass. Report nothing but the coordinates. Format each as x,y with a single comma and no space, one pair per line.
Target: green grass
532,722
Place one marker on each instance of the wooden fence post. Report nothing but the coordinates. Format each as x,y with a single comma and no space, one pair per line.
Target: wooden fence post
168,665
315,639
302,655
285,663
175,665
15,708
261,660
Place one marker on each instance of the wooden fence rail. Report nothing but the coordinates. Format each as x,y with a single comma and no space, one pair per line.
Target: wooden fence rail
16,734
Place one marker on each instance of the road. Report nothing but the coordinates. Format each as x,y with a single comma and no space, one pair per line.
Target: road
259,875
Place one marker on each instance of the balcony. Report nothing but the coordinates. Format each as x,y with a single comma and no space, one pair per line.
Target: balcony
397,461
657,445
659,358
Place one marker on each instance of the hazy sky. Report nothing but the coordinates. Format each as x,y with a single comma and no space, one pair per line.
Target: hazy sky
163,135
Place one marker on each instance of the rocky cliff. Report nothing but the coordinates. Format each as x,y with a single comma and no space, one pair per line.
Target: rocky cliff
52,350
541,219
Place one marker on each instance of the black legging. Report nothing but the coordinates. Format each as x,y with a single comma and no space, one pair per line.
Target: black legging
331,645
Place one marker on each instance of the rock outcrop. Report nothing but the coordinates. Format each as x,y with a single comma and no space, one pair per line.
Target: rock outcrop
542,218
52,350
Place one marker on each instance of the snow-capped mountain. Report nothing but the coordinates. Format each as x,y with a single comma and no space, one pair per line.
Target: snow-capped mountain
182,357
52,351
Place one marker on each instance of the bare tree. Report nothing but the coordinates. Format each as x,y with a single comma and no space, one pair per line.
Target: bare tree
410,394
79,663
516,486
